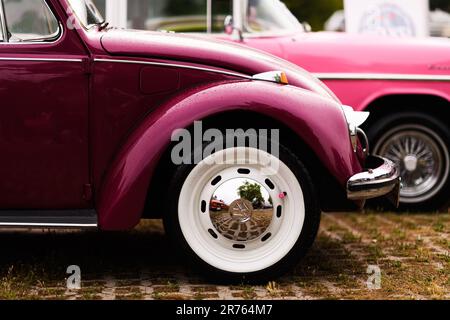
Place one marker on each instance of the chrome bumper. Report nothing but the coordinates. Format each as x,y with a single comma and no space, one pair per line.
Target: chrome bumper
382,178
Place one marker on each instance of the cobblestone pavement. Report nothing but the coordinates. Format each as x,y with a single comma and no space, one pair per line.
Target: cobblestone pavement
412,252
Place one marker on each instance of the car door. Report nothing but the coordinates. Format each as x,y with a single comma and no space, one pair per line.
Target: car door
44,160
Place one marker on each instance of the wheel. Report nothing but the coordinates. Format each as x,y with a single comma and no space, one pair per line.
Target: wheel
419,144
270,218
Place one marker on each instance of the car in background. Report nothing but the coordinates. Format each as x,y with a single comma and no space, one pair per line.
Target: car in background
92,118
217,205
404,83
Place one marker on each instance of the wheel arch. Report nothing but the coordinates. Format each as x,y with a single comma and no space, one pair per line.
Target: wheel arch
318,121
326,183
436,105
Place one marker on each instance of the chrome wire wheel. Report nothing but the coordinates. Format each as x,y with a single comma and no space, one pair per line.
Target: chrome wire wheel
228,224
422,156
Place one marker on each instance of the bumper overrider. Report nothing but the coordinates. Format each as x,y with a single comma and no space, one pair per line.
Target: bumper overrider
381,178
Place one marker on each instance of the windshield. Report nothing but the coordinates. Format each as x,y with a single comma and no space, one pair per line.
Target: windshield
86,12
270,16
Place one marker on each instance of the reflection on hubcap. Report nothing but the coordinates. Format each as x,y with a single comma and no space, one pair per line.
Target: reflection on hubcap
245,218
419,152
241,210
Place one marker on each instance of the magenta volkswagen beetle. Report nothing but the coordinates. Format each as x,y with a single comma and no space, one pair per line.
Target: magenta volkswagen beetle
404,83
92,136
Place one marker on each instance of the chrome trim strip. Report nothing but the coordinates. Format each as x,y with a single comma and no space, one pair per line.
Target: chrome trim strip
174,65
40,42
40,59
382,76
364,139
48,225
82,218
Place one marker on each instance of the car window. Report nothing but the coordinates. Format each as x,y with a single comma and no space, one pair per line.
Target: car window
30,20
269,16
178,15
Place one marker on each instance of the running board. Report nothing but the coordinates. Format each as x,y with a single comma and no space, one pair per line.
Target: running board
48,218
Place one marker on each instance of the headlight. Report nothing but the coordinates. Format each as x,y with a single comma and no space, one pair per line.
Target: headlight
354,120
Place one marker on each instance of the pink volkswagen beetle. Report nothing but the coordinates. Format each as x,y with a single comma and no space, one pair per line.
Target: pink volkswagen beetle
404,83
95,122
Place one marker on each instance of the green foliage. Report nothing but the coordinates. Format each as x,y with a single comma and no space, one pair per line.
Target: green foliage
315,12
252,193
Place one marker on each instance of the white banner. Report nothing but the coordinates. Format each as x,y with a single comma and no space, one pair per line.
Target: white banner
398,18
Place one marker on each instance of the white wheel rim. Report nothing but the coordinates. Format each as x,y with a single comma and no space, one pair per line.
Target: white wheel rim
241,256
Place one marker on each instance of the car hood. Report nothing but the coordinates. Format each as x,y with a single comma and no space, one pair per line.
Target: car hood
205,51
322,52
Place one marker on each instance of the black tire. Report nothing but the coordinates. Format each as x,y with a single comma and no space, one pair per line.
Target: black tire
413,124
304,242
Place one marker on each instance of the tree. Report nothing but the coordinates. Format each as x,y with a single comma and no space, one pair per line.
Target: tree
314,12
252,193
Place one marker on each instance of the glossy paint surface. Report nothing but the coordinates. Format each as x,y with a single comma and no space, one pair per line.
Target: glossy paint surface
203,51
43,134
84,115
44,160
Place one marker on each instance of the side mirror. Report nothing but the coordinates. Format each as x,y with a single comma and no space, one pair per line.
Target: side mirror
307,26
228,25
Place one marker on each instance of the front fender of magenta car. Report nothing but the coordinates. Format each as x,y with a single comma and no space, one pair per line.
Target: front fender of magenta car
317,121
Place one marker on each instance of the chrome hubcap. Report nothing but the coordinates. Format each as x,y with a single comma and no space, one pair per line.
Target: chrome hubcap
241,210
410,163
422,157
245,218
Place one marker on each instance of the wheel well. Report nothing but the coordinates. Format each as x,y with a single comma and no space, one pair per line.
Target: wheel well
326,185
435,106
